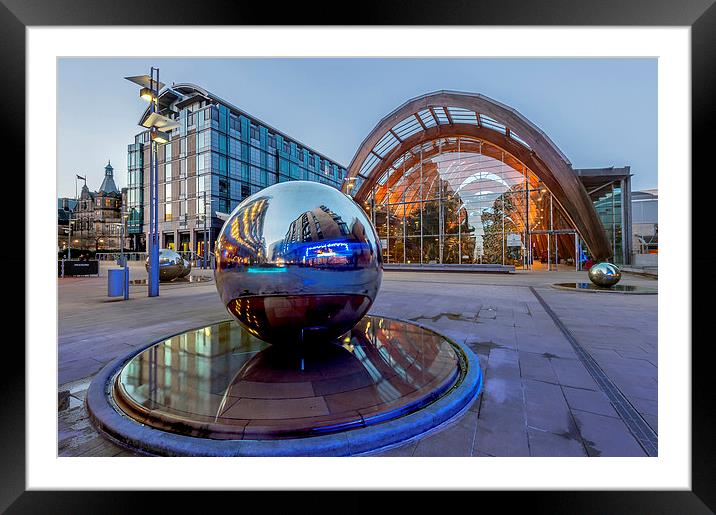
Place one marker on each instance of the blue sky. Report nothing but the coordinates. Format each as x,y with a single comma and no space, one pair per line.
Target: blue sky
599,112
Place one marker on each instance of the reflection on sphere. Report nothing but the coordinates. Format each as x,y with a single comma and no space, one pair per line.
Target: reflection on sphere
605,274
171,265
298,262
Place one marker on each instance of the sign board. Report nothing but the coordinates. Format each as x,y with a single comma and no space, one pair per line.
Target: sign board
514,240
90,267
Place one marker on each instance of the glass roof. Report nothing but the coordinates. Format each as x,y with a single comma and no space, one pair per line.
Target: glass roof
425,119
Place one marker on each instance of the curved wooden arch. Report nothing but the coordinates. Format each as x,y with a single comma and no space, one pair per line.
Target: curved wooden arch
542,157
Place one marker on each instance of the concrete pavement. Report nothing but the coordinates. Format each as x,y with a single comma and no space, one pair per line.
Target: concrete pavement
539,397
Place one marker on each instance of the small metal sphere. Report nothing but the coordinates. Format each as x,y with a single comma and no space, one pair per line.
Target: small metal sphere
171,265
187,268
605,275
298,262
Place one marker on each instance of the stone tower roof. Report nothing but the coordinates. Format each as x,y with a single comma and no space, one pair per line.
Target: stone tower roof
108,185
86,194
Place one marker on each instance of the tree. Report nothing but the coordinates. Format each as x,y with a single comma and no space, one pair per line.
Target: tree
492,221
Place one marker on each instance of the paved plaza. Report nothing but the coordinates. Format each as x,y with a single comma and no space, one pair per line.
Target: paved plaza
566,373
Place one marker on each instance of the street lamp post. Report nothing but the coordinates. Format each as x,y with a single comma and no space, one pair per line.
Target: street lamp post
69,238
153,279
159,127
69,243
122,258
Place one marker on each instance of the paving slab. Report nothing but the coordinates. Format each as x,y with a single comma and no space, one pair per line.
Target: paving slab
544,443
458,439
589,400
606,436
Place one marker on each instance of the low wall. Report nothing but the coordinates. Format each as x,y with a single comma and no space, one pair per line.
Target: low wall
478,268
646,260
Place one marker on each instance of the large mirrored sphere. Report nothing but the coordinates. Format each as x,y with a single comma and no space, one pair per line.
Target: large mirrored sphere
171,265
605,274
298,262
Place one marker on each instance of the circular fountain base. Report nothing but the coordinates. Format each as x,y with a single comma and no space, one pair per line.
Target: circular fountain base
220,391
617,288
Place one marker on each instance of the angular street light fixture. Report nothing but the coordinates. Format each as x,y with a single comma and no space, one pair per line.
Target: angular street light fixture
148,82
160,136
157,121
159,129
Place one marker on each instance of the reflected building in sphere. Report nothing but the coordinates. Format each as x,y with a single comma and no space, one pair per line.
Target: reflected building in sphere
318,224
298,262
605,275
171,265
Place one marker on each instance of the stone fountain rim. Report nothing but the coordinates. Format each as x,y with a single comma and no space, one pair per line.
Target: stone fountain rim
126,432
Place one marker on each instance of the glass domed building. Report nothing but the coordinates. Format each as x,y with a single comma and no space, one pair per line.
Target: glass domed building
459,178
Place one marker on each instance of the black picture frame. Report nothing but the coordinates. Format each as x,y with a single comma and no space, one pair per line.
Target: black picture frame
700,15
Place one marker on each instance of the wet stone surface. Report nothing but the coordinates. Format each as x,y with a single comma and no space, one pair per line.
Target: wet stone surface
519,347
617,288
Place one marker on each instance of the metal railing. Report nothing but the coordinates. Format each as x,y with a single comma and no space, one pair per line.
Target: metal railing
189,255
114,256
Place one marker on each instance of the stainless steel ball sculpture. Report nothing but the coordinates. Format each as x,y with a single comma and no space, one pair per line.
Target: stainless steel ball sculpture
605,275
298,262
187,268
171,265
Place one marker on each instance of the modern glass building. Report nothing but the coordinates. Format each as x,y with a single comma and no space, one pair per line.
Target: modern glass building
218,156
610,192
645,222
459,178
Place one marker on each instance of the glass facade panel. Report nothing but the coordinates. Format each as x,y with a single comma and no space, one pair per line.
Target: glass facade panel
608,203
135,187
412,249
462,201
381,221
430,215
412,218
431,249
451,250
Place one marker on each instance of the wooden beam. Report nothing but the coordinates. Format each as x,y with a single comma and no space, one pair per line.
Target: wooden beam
395,135
447,113
420,121
435,117
376,155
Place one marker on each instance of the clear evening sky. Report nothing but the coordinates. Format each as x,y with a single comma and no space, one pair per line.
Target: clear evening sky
599,112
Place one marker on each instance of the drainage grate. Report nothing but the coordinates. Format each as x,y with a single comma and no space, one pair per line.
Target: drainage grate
643,433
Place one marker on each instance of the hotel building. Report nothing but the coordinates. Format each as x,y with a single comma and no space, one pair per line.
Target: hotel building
217,156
